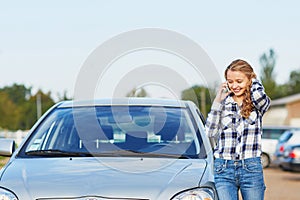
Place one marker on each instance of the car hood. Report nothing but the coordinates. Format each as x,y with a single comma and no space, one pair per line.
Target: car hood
138,178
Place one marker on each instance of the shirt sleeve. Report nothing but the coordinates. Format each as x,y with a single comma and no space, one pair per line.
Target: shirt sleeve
259,98
213,120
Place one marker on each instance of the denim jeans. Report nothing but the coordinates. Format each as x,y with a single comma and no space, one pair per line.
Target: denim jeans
246,175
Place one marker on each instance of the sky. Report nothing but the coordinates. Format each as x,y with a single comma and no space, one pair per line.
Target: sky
47,44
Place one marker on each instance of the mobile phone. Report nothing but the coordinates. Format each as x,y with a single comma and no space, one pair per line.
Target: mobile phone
226,90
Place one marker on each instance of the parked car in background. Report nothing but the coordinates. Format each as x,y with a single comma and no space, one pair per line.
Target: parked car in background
288,151
283,139
291,158
270,137
133,149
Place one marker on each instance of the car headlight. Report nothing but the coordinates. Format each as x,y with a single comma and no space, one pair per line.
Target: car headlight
196,194
7,195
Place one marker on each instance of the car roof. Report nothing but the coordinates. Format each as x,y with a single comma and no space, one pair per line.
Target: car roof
295,139
296,132
125,102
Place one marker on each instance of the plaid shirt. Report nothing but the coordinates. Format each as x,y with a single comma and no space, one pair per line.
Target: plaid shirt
238,138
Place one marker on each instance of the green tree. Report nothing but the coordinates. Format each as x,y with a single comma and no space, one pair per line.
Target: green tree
200,96
18,108
268,62
63,97
29,109
294,82
8,112
17,93
282,90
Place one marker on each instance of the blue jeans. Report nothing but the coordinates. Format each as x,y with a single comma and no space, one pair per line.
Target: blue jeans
246,175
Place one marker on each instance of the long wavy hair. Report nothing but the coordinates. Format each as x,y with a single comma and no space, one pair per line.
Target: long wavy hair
244,67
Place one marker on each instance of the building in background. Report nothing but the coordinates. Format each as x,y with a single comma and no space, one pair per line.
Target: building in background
284,111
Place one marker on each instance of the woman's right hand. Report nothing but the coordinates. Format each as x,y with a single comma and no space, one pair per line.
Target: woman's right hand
222,92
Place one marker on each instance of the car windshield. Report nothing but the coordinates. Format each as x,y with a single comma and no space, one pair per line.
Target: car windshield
117,131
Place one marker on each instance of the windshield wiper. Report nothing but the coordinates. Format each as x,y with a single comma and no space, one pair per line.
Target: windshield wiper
62,153
56,152
115,153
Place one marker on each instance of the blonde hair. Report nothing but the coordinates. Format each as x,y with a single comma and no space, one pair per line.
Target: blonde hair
244,67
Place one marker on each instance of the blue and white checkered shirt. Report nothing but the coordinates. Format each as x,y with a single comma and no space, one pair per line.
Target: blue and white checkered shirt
238,138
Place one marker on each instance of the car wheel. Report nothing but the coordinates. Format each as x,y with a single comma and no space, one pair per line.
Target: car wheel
265,160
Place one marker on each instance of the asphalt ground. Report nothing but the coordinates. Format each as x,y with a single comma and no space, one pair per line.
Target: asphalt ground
281,184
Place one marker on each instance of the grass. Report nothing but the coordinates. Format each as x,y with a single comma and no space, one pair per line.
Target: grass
3,161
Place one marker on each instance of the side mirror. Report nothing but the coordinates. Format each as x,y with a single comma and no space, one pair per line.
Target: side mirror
7,147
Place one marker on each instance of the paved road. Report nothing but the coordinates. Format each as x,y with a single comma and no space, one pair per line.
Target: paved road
281,184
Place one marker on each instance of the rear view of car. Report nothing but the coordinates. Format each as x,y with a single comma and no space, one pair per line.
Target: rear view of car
291,161
134,149
283,139
287,151
270,137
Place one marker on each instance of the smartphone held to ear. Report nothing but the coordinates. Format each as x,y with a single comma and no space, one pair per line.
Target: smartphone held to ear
226,90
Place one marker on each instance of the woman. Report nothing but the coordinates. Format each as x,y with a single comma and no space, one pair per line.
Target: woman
235,120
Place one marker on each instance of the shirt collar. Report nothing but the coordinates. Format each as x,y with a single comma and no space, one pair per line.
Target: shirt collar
229,99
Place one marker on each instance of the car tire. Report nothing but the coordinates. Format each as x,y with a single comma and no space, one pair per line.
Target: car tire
265,160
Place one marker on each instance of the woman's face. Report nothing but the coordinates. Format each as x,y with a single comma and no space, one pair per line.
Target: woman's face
237,82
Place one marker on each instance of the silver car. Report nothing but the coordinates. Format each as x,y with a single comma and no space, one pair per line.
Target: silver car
129,149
